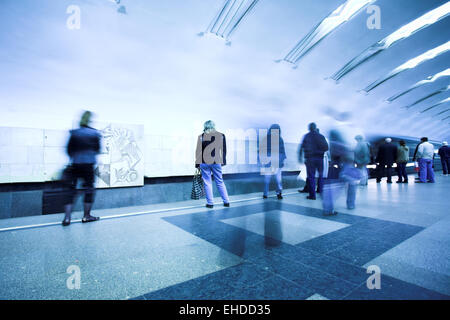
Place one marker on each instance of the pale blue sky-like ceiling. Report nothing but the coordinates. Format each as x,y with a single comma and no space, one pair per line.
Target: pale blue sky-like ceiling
428,96
142,61
442,112
429,79
447,100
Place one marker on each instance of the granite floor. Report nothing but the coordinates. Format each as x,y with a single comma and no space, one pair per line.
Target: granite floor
256,249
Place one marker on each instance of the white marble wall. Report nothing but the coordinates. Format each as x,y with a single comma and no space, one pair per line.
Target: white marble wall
36,155
21,155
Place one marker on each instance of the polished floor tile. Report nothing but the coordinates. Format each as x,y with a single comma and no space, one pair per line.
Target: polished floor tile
256,249
285,226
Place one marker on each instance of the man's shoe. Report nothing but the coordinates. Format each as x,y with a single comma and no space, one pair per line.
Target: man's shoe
65,222
226,204
310,198
209,206
405,182
303,191
279,196
264,197
90,219
330,214
378,181
399,181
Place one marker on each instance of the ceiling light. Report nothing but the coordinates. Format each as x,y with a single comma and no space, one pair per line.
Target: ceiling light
411,64
339,16
429,96
404,32
430,79
229,17
436,105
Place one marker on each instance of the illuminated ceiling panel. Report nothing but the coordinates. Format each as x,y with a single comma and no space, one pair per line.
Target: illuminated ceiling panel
436,105
430,79
429,96
411,64
229,17
404,32
342,14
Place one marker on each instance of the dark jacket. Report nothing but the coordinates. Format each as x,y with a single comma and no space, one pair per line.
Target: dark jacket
83,145
444,152
268,142
387,154
314,145
216,149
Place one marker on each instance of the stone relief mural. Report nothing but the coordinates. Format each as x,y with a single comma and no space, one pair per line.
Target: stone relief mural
121,162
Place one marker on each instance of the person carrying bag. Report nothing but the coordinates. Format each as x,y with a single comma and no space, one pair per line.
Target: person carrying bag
198,191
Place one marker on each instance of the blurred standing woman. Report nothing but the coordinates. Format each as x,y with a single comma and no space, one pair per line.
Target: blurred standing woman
82,148
278,153
402,160
210,156
362,158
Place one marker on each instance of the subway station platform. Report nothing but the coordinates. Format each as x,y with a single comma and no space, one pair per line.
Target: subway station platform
256,249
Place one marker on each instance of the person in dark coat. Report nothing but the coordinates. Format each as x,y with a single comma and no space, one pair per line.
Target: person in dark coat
387,155
210,157
313,146
444,154
82,148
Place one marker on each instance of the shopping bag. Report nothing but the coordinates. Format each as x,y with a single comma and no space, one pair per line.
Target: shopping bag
197,186
302,174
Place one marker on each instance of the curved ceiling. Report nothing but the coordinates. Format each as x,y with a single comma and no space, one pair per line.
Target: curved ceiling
244,63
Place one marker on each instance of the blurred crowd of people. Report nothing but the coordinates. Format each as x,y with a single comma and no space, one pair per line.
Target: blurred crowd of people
338,162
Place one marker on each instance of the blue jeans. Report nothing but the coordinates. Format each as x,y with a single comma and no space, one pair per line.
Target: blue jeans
333,188
401,168
267,179
364,173
312,165
214,170
426,170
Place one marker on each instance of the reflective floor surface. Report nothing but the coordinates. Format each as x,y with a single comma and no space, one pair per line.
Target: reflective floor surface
256,249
